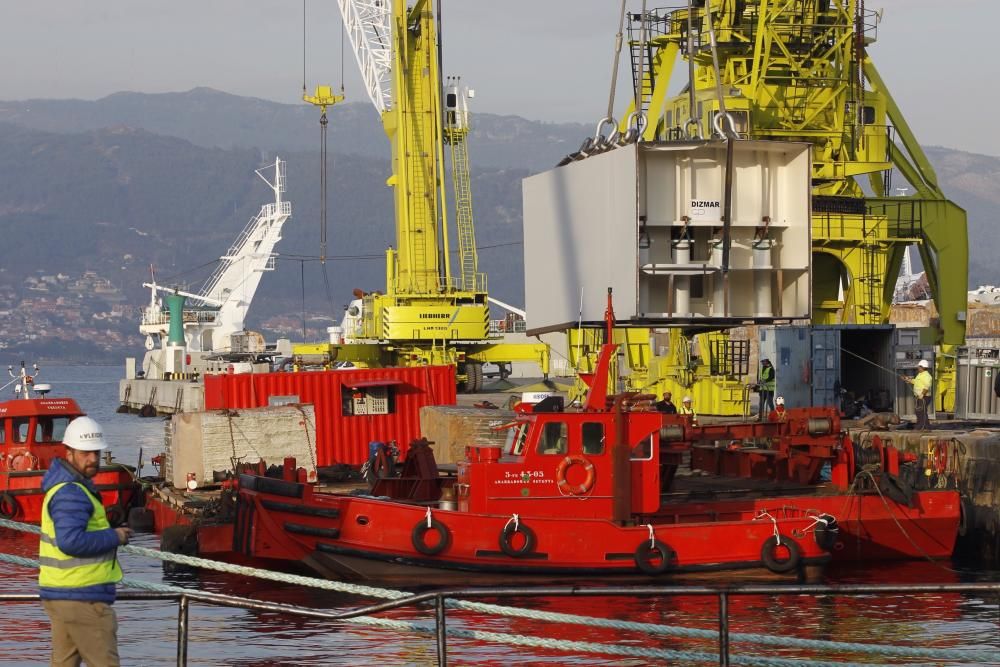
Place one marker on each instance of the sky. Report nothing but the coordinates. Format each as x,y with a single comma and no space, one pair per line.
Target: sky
540,59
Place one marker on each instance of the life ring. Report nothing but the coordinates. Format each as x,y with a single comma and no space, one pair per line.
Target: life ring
580,489
417,537
827,532
774,562
9,506
507,536
645,553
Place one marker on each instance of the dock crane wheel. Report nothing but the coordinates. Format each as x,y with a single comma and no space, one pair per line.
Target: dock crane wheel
773,554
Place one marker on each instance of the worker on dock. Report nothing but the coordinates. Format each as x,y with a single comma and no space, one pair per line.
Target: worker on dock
77,553
778,414
922,394
687,409
765,386
666,405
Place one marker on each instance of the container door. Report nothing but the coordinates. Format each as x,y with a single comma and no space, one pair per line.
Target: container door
792,366
825,367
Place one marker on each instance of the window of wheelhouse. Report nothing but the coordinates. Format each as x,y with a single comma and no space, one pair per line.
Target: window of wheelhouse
593,438
516,435
553,439
20,429
51,429
3,431
643,450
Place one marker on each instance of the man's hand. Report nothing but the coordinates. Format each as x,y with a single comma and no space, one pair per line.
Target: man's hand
123,534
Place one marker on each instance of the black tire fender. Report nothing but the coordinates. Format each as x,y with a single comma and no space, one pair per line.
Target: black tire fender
141,520
507,535
645,552
9,507
116,515
419,534
967,513
827,532
768,554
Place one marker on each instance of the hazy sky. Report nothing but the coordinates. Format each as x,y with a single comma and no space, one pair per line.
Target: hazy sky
541,59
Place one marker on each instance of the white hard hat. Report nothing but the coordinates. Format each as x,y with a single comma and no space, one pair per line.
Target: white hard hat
687,399
85,434
923,363
780,400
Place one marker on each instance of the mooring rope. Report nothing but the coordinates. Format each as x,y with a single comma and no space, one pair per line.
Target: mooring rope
973,655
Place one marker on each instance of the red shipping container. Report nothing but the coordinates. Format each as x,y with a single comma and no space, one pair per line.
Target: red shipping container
342,435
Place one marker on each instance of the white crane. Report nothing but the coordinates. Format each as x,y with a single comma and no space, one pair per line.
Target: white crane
219,309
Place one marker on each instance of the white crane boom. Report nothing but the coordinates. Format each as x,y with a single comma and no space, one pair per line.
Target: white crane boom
368,24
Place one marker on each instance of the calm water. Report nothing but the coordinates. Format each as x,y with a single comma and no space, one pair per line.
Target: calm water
235,637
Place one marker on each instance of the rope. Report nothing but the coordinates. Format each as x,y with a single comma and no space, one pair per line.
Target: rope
892,514
764,514
553,617
514,640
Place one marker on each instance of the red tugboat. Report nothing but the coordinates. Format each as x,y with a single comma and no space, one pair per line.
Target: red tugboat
611,488
31,430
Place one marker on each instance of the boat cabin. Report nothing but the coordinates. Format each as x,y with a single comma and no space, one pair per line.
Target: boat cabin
31,431
553,460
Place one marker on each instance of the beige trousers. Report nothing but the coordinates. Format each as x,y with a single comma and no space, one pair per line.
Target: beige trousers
83,632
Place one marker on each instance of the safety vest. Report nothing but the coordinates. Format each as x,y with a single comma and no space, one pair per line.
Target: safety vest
60,570
766,379
684,410
922,384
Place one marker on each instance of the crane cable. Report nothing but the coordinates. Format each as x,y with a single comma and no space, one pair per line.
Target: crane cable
323,171
725,123
693,120
609,118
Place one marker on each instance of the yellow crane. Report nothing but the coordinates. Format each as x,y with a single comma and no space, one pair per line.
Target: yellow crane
799,70
425,315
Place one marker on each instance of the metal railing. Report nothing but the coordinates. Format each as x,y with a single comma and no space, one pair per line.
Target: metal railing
438,600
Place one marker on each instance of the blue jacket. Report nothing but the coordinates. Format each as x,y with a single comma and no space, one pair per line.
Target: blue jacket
70,509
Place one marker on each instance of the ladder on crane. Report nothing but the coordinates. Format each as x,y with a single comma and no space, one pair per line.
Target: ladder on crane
456,134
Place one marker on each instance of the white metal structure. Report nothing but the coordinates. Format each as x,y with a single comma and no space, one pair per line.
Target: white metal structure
368,26
219,310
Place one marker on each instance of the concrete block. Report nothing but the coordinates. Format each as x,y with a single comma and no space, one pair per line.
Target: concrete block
202,442
452,428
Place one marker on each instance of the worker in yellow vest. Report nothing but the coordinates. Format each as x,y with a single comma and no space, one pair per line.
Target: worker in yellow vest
922,394
77,553
686,409
766,384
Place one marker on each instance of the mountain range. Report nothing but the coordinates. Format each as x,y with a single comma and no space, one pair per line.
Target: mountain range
133,181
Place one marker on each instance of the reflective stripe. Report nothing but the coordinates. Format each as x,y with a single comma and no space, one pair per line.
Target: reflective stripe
75,562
